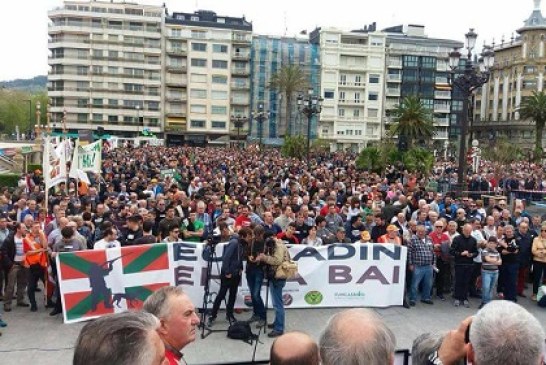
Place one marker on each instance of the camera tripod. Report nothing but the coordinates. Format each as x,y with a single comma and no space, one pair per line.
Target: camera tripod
207,295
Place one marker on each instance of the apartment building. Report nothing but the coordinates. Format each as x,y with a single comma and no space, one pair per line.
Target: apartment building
105,67
269,55
351,79
519,69
417,65
207,77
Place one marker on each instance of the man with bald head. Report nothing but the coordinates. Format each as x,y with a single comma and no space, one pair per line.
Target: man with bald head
463,248
294,348
357,336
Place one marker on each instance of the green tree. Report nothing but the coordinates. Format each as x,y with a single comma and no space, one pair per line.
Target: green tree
534,109
419,160
288,81
371,159
15,110
502,152
412,120
294,146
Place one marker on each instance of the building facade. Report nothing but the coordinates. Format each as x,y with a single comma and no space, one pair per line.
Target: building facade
105,67
417,65
519,69
351,83
207,77
269,55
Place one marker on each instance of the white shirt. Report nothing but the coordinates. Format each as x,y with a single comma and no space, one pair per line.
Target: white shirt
19,251
103,244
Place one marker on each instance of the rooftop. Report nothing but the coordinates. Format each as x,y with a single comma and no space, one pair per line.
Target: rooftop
207,18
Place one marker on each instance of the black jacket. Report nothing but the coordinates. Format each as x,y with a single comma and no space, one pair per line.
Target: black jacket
8,251
232,258
460,244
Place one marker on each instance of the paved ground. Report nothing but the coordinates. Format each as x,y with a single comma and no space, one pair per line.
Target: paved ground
36,338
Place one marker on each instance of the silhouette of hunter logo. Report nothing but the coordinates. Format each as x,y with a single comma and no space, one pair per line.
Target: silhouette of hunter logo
99,289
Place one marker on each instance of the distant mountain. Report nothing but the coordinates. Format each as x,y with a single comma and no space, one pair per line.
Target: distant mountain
35,84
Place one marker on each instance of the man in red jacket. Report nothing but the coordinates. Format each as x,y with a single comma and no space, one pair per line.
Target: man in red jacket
178,320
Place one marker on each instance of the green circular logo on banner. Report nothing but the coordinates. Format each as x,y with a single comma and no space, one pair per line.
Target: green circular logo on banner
313,297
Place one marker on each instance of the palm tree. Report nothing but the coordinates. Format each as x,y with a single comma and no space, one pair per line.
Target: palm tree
534,108
288,80
412,120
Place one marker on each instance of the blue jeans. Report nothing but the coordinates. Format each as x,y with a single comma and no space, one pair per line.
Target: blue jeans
424,274
255,278
489,279
275,287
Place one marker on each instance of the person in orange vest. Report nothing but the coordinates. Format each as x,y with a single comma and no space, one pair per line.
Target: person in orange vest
392,236
35,260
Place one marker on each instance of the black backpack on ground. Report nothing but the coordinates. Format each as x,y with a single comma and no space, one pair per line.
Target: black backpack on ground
241,330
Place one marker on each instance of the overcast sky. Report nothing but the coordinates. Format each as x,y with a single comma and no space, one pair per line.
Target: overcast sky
23,23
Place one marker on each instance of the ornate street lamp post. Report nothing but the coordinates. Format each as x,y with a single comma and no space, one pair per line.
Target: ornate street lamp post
238,122
467,80
260,115
309,105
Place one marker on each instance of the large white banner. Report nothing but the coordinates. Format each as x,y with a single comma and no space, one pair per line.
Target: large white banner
94,283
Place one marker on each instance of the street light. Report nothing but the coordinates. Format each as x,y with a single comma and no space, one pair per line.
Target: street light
473,76
38,126
260,115
238,121
137,107
309,105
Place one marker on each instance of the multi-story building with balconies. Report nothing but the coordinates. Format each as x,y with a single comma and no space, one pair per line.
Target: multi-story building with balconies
269,55
417,65
105,67
352,72
519,69
207,77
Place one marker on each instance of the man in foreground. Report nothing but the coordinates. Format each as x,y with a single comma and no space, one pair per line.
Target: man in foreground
124,338
357,336
178,320
501,333
294,348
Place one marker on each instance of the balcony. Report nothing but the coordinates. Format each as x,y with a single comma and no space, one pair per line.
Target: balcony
441,122
394,78
240,86
350,102
176,97
442,95
240,71
241,56
442,108
177,51
241,39
349,84
442,80
175,114
391,91
176,68
394,63
240,101
176,82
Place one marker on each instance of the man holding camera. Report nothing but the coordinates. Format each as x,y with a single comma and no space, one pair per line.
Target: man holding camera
230,274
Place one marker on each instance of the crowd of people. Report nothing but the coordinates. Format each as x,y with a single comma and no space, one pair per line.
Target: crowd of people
457,244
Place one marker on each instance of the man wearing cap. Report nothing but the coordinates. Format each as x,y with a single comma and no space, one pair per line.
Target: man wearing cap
391,236
341,236
133,231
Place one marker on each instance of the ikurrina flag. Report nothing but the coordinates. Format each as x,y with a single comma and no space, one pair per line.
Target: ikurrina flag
99,282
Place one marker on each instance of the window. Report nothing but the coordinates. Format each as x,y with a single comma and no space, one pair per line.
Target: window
176,32
373,96
218,125
82,103
341,112
356,113
198,93
372,113
112,118
196,34
197,124
411,61
82,117
219,48
217,79
97,102
113,102
342,96
82,85
219,110
194,18
343,79
82,70
219,64
97,53
97,70
328,94
153,91
113,70
97,117
113,54
199,62
198,78
357,97
374,79
198,108
428,62
153,105
199,47
358,80
218,95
